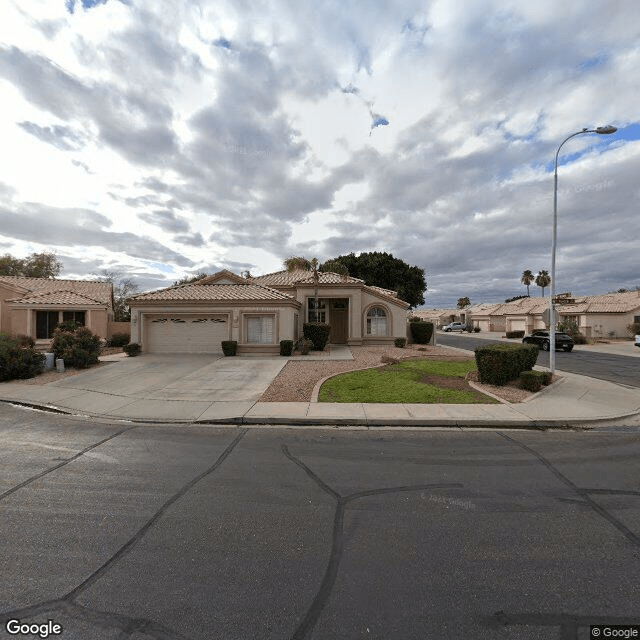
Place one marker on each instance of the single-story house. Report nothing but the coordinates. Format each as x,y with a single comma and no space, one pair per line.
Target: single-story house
34,306
261,311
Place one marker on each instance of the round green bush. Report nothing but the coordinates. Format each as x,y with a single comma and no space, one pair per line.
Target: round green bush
229,347
286,347
400,342
318,333
132,349
118,340
421,331
79,348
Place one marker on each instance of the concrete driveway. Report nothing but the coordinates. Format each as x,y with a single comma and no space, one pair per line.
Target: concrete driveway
171,387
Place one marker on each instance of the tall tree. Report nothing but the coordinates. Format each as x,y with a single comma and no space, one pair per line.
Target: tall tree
123,288
463,302
527,278
543,279
383,270
36,265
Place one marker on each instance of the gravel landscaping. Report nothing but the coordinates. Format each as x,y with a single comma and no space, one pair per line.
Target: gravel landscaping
296,381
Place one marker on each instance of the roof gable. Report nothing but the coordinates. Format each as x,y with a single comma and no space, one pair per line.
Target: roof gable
222,277
99,292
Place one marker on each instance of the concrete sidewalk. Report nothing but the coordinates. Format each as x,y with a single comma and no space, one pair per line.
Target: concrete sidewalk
572,401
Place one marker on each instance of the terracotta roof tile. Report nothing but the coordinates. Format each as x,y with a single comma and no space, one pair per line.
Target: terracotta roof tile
98,291
288,279
57,298
213,293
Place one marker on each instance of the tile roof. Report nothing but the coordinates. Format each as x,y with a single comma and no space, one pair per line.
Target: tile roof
291,278
213,293
98,291
57,298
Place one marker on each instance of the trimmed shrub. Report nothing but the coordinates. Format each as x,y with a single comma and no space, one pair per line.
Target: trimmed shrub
476,329
400,342
546,377
286,347
18,358
79,348
132,349
421,331
531,380
118,340
515,334
578,338
500,363
318,333
229,347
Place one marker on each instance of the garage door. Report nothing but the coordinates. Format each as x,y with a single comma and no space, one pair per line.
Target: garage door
186,333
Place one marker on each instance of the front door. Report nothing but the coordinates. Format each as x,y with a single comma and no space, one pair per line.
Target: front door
339,321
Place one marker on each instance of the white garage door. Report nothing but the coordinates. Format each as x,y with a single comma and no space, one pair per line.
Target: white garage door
186,333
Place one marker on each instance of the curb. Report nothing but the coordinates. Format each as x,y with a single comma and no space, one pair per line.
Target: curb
374,424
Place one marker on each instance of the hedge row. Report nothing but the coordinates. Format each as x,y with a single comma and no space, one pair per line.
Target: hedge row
500,363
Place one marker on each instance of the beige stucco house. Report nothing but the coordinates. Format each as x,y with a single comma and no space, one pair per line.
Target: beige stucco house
34,306
260,312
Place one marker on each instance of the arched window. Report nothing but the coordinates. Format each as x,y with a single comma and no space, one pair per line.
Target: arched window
377,322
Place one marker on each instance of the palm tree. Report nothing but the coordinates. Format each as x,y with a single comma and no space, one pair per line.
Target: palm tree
543,279
527,279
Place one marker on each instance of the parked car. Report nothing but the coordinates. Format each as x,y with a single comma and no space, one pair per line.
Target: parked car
637,343
455,326
543,340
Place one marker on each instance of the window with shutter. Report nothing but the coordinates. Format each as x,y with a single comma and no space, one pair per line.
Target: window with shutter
260,329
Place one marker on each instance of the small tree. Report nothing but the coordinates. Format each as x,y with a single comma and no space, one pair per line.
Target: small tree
463,302
123,288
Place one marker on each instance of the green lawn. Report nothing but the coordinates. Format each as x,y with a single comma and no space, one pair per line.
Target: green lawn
412,381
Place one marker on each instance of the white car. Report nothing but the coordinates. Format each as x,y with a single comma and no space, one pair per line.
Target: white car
455,326
637,341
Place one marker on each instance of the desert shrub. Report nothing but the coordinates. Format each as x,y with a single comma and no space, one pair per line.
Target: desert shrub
132,349
421,331
476,329
230,347
578,338
531,380
515,334
400,342
500,363
118,340
79,348
18,358
303,346
286,347
317,332
569,326
633,329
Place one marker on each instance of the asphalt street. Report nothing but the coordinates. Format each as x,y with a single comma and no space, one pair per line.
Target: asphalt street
605,366
120,531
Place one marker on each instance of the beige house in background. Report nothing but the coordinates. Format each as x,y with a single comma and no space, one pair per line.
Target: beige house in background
601,316
260,312
34,306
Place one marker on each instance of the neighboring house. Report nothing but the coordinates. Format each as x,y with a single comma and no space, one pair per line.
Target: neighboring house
34,306
259,312
439,317
596,316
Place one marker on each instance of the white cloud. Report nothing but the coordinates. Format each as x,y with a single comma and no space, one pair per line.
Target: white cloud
217,134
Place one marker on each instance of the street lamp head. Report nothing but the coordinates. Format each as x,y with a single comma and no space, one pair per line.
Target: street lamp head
606,129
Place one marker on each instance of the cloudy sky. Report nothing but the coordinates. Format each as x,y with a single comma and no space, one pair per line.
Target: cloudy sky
161,139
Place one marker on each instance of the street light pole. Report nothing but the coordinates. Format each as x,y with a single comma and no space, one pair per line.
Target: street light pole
552,288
